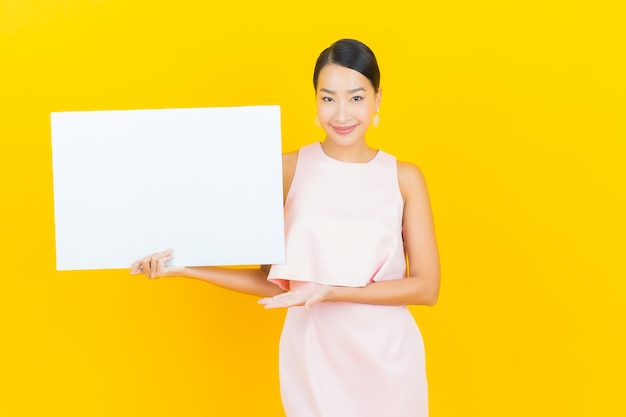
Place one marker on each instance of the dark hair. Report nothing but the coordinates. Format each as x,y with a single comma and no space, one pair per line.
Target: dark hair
351,54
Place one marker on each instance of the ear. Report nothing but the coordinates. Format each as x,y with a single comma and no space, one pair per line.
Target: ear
379,97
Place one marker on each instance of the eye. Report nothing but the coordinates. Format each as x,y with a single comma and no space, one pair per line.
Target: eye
327,99
357,98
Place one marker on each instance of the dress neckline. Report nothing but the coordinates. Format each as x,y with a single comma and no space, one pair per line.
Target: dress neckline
326,156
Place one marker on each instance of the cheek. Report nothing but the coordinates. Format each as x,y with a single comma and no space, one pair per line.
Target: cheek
324,112
365,112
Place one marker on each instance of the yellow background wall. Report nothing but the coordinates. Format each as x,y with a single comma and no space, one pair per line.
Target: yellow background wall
514,110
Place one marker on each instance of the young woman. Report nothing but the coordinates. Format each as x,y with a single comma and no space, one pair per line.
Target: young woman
354,216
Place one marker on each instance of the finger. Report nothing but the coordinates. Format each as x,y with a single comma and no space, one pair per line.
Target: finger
286,302
271,306
145,267
154,265
282,304
267,300
136,268
159,263
272,302
161,267
283,295
147,264
166,252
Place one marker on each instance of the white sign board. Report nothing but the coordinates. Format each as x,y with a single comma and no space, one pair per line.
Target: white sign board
206,182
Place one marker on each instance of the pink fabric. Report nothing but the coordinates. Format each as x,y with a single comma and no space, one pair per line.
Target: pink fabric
343,226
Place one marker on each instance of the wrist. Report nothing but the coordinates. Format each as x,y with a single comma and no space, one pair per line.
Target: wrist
177,271
334,293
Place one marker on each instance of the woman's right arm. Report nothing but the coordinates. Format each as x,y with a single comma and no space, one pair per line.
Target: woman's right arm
251,281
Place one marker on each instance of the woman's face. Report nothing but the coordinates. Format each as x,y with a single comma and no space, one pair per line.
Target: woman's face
346,103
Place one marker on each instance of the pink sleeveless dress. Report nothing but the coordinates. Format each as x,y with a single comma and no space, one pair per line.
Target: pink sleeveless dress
343,227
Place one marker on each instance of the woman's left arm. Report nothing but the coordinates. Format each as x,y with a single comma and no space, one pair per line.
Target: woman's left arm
421,287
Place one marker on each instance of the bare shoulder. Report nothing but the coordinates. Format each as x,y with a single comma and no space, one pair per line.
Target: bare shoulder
289,164
290,159
411,179
410,170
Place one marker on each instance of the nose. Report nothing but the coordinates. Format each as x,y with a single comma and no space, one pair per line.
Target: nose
342,112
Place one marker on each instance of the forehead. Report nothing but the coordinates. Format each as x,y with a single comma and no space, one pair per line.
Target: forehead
337,78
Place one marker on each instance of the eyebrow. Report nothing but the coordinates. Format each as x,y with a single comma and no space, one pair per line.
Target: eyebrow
355,90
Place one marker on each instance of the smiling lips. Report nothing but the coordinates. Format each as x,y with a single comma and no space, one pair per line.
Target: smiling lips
344,130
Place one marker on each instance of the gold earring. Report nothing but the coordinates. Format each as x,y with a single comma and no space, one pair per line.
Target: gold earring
376,120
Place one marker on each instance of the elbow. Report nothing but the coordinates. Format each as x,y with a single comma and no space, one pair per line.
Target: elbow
430,295
432,299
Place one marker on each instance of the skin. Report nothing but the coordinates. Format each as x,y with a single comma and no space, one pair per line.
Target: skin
346,104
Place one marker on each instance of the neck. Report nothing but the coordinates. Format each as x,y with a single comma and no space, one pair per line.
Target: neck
358,152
